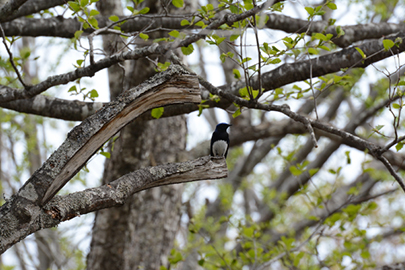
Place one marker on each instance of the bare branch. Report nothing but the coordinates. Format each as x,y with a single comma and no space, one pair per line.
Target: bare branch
72,110
170,87
392,171
66,28
89,71
63,208
31,7
11,58
10,7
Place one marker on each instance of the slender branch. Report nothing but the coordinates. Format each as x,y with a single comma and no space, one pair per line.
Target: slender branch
11,58
66,28
90,70
391,144
389,167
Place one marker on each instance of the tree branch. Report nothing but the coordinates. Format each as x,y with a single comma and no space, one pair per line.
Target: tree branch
173,86
90,70
10,7
66,28
63,208
71,110
31,7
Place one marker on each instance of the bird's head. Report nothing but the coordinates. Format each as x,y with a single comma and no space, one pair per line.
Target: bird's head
222,126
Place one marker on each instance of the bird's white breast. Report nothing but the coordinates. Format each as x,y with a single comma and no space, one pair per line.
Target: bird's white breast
219,148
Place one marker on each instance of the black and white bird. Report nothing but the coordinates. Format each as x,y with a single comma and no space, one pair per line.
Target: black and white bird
220,141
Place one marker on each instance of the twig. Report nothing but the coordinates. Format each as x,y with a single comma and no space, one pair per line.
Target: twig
389,167
259,55
312,87
391,144
11,58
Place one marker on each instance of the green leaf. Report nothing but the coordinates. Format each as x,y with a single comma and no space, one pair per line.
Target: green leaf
184,22
106,154
78,34
312,172
234,9
144,10
243,92
339,31
310,10
93,93
320,36
388,44
361,53
248,232
187,50
72,89
219,40
174,33
130,9
175,256
93,22
246,59
143,36
79,62
178,3
396,106
312,51
163,67
157,112
84,2
237,113
399,146
295,171
222,57
201,262
94,12
324,48
331,5
273,61
234,37
236,74
379,127
114,18
365,254
74,6
333,218
200,23
348,159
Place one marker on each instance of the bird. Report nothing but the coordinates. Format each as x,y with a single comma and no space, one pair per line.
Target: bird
220,141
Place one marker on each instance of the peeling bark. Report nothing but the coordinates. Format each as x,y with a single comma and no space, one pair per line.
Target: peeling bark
14,228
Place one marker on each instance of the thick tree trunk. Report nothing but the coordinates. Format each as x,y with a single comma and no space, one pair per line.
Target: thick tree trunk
140,234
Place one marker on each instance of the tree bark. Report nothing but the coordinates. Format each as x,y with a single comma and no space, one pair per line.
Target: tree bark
140,234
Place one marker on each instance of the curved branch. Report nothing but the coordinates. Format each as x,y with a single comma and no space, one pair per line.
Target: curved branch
10,7
32,7
63,208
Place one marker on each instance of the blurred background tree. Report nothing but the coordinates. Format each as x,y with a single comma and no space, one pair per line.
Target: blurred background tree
285,204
